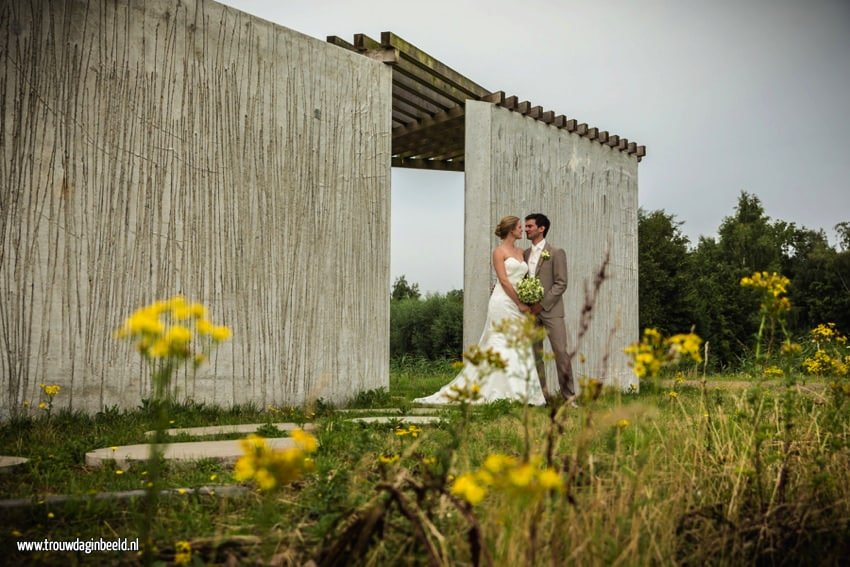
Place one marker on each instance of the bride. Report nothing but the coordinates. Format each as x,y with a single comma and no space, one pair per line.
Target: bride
518,381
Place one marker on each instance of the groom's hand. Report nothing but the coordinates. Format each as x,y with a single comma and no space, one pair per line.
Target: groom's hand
536,309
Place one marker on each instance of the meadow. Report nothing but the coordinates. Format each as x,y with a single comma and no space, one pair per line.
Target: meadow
687,471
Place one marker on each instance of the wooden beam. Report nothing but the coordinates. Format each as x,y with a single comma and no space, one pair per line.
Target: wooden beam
497,97
559,121
455,112
401,104
641,151
403,116
592,133
431,81
571,125
404,96
613,140
339,42
602,136
581,129
428,164
523,107
363,42
632,148
417,95
418,57
448,140
510,103
624,143
535,112
388,56
548,117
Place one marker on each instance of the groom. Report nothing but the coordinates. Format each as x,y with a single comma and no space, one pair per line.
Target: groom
550,265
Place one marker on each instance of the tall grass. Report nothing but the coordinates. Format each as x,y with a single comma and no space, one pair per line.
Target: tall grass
756,475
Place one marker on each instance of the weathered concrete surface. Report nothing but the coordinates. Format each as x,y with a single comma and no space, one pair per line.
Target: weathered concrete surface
224,451
412,419
517,165
159,147
9,464
242,428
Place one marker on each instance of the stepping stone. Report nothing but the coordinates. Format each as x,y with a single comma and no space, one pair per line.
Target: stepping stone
415,419
225,490
396,411
222,451
9,464
226,429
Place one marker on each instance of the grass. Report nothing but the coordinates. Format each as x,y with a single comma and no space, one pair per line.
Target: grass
727,476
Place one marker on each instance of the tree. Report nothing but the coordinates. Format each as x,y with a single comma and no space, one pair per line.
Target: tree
403,290
664,284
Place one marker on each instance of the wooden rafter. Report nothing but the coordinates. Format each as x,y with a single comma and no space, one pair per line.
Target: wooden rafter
429,100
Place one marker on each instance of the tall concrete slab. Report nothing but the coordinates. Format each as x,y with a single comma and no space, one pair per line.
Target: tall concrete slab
158,147
517,165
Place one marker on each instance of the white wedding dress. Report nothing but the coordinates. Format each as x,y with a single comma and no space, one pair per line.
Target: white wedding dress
518,382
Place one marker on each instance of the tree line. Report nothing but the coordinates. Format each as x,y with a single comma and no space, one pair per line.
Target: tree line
682,286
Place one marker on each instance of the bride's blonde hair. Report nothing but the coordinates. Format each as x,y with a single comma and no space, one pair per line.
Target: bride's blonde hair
505,226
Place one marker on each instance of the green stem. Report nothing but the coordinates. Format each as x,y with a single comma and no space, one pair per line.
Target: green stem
758,336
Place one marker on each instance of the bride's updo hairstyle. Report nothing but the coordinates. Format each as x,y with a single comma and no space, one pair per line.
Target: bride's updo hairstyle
506,225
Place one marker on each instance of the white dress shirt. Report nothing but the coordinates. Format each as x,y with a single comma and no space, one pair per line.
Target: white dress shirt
534,256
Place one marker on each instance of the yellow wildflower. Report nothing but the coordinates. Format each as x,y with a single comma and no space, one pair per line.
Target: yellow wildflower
387,459
549,479
305,440
220,333
50,390
42,405
466,487
182,553
622,424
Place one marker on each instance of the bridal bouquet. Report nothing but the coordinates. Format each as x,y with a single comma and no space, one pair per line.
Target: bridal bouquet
530,290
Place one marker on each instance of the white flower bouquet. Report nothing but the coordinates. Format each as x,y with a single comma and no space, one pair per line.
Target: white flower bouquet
530,290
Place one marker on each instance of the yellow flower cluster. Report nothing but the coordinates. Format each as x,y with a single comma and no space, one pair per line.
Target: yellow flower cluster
832,356
488,358
411,430
182,553
821,363
773,372
509,474
385,459
773,287
50,390
826,334
654,351
163,329
270,468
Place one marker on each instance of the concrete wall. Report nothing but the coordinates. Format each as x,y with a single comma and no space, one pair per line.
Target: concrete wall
517,165
157,147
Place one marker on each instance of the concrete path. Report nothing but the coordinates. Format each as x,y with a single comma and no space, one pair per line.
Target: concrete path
395,411
223,451
227,429
9,464
415,419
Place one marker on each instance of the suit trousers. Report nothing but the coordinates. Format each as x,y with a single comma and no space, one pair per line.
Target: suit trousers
556,330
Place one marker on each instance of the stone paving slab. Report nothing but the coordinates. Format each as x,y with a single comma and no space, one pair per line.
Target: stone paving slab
223,451
395,411
414,419
9,464
225,429
225,490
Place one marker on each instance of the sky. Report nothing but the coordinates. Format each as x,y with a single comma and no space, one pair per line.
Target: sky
726,95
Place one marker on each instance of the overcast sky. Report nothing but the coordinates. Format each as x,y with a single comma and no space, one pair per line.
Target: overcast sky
726,95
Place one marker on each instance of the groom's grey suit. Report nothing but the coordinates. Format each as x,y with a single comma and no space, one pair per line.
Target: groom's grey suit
553,275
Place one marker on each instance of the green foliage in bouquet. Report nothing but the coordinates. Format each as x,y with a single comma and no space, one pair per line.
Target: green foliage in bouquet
530,290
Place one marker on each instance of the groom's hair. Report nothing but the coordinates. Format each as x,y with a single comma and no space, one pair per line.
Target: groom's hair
541,220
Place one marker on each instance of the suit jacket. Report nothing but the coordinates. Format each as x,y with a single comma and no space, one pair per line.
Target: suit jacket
553,275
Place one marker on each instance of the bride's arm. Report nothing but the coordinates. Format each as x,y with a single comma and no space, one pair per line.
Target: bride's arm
499,258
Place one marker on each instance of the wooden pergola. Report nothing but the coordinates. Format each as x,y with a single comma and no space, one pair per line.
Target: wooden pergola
429,100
